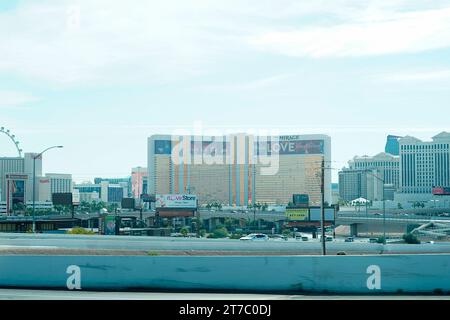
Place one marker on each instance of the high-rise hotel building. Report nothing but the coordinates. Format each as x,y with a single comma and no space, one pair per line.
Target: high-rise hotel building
424,164
240,169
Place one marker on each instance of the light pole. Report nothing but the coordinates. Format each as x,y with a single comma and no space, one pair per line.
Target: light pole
34,182
384,204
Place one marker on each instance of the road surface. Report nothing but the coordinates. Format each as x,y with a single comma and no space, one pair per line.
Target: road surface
161,244
26,294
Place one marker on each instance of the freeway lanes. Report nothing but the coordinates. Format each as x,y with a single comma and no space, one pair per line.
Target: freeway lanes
161,244
26,294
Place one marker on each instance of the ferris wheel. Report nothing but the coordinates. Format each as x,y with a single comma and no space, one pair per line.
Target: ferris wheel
12,138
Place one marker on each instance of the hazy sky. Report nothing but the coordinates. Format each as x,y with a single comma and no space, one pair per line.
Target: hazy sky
99,77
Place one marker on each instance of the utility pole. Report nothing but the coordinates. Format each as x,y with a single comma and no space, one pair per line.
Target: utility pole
322,205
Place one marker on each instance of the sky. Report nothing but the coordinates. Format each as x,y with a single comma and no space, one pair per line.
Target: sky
99,77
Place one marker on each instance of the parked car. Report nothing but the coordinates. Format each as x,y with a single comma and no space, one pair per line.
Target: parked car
255,237
373,240
377,214
305,238
349,239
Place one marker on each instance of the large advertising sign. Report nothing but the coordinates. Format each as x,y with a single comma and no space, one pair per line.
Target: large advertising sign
286,147
128,203
15,191
300,200
441,191
174,201
62,199
163,146
110,225
316,214
297,214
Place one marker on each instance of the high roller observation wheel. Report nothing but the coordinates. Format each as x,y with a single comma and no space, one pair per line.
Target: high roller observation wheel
12,137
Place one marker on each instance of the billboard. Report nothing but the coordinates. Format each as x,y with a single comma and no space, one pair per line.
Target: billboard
301,200
110,225
76,197
15,191
297,214
185,201
441,191
148,197
128,203
163,146
315,214
62,199
288,147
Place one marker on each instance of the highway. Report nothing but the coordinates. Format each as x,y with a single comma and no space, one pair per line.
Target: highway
161,244
27,294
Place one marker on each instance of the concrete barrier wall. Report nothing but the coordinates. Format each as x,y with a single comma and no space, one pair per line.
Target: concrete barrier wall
332,274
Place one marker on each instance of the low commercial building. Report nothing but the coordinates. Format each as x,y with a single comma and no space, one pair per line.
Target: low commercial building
104,191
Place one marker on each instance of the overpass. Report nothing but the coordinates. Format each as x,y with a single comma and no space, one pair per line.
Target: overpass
358,222
394,223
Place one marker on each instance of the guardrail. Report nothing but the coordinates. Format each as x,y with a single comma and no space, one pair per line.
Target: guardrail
300,274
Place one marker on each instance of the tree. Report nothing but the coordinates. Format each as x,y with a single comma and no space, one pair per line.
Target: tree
411,238
381,240
286,232
184,231
79,230
221,232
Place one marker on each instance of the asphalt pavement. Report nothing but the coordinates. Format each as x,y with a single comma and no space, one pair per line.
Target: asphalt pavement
26,294
155,244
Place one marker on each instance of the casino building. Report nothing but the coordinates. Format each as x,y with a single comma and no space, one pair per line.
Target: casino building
240,169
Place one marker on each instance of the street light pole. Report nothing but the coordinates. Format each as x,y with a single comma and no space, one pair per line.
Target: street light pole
322,205
384,204
34,183
384,215
34,190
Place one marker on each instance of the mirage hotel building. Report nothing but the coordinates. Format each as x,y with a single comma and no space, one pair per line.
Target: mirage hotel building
240,169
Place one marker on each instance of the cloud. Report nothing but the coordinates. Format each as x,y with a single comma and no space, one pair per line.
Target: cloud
82,42
262,83
15,98
371,34
418,76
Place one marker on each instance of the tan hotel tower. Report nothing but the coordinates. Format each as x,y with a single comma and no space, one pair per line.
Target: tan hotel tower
239,169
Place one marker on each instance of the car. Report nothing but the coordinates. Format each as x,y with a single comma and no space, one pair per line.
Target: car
349,239
279,237
305,238
430,242
377,214
176,234
327,238
255,237
373,240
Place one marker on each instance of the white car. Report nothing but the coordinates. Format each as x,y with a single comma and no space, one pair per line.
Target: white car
255,237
